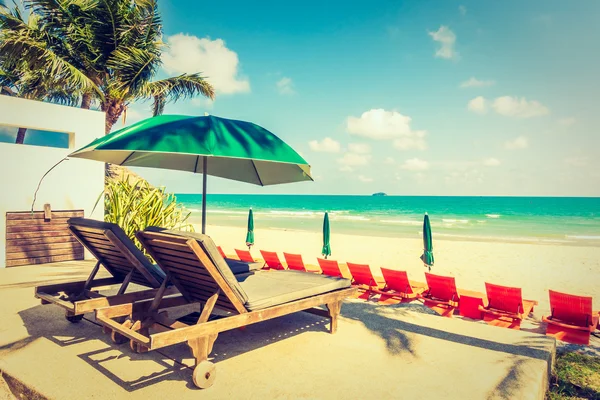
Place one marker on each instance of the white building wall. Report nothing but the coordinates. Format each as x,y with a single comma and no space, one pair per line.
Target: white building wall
74,184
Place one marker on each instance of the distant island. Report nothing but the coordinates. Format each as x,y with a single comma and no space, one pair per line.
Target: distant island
379,194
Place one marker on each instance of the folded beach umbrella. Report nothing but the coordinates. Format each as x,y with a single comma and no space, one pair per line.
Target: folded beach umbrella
326,251
250,234
209,145
427,256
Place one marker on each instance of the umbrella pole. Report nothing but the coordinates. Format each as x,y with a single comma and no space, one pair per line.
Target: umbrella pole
204,166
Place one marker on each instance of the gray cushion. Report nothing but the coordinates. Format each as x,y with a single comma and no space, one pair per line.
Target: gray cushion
153,269
270,288
242,267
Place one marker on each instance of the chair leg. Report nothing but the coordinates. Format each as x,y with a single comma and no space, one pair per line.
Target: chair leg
334,311
201,347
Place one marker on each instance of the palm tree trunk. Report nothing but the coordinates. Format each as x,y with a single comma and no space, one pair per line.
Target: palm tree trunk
86,101
21,135
113,110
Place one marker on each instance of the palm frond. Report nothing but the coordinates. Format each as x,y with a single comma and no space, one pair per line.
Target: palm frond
174,89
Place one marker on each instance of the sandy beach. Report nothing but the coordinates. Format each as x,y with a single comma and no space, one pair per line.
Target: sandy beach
533,267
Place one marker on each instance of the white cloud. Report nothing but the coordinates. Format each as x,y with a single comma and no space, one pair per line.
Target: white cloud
351,160
478,105
491,162
365,179
211,58
576,161
327,145
359,148
520,142
518,107
389,161
415,164
474,82
379,124
416,142
447,39
462,10
567,121
285,86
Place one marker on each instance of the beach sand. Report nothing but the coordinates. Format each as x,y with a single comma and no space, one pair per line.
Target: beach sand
533,267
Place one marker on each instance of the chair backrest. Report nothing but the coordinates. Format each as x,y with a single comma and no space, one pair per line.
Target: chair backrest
330,267
244,255
115,251
504,298
397,280
272,259
294,261
221,251
576,310
195,266
361,274
441,287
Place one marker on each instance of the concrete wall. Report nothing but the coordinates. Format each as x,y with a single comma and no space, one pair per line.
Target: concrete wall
74,184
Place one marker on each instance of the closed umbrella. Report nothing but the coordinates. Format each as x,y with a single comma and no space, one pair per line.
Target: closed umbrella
250,234
326,251
209,145
427,256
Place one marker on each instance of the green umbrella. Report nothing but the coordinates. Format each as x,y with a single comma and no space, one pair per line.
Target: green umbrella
210,145
427,256
250,234
326,251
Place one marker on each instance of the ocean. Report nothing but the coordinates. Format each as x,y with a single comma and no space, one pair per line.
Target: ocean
550,220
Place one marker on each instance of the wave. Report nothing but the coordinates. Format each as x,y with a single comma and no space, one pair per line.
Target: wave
401,222
583,237
352,218
493,215
454,221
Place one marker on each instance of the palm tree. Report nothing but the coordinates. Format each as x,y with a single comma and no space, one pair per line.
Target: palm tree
109,50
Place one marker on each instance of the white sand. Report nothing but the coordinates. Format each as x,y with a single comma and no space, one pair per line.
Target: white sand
533,267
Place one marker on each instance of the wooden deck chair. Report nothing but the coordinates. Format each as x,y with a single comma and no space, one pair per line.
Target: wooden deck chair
272,260
441,294
295,262
202,276
244,255
506,307
572,319
119,256
398,288
363,278
330,267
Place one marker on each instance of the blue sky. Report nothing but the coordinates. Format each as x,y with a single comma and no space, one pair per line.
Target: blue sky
414,97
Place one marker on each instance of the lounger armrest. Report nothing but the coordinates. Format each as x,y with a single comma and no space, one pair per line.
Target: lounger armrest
500,313
549,320
425,296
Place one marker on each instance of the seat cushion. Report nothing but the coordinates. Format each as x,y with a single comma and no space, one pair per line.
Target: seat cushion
270,288
153,269
242,267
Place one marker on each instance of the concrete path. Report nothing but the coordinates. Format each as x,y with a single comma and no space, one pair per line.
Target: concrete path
379,352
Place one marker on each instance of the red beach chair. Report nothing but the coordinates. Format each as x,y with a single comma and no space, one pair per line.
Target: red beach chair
294,261
572,319
364,279
330,267
441,295
221,251
272,260
244,255
506,307
398,288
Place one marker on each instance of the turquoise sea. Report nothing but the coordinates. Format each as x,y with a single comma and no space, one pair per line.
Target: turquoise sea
552,220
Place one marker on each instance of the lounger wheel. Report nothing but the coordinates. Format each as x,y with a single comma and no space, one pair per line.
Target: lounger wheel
204,374
74,318
117,338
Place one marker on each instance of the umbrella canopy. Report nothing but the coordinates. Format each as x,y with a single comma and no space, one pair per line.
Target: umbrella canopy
250,234
427,256
210,145
326,251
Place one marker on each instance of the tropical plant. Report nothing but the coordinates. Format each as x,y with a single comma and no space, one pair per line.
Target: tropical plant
134,205
109,50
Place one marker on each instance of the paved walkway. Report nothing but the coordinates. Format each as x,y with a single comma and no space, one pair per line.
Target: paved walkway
379,352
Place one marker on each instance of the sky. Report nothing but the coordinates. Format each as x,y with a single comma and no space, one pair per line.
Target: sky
405,97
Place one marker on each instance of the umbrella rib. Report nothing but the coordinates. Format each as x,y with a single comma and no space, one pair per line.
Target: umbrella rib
257,175
127,158
196,166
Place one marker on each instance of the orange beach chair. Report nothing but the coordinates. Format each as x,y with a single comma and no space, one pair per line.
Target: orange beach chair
398,288
572,319
221,251
244,255
441,294
506,307
364,279
330,267
272,260
294,261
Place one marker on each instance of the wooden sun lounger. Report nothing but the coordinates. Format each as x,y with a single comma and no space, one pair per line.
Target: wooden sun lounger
363,278
441,294
202,276
272,260
295,262
572,318
506,308
119,256
398,288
